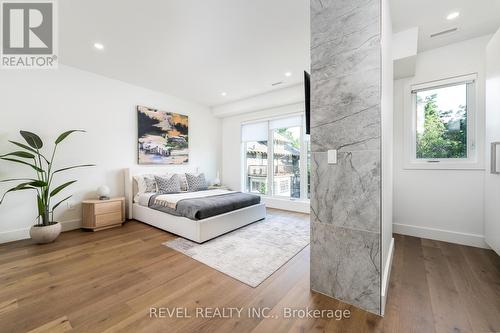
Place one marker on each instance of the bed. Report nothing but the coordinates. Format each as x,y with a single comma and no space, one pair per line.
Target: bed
198,230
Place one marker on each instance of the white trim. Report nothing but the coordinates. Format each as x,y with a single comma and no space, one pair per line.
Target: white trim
441,235
14,235
277,98
475,160
270,155
467,78
24,233
387,275
304,142
269,119
270,162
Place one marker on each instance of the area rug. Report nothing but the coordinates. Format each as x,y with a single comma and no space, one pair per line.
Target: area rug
253,253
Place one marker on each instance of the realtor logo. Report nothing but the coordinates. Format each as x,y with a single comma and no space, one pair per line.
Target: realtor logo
28,34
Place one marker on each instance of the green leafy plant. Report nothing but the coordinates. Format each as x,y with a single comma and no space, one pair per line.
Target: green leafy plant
43,182
438,140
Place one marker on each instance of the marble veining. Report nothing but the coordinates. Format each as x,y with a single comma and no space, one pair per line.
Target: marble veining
345,264
339,134
346,115
331,63
345,29
342,102
347,194
338,7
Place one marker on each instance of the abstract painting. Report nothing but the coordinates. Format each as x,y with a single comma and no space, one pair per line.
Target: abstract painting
163,137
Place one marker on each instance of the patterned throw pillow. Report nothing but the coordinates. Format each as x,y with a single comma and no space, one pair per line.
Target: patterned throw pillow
150,184
168,185
146,183
196,183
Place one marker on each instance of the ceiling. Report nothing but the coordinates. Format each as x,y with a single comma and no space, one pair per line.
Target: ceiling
477,18
194,49
197,49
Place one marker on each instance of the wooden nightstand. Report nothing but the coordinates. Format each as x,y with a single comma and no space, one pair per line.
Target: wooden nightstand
103,214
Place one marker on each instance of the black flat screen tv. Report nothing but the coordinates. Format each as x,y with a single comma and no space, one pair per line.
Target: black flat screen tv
307,93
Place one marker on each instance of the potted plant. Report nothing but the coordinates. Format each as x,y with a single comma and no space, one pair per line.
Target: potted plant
46,230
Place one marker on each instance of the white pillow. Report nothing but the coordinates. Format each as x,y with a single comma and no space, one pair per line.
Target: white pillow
183,180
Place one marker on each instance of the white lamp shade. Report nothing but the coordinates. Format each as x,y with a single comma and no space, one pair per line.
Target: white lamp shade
103,191
217,179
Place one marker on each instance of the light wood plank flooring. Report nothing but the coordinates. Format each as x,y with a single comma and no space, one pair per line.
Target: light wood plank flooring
107,282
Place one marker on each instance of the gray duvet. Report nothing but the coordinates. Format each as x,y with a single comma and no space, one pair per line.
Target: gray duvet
202,208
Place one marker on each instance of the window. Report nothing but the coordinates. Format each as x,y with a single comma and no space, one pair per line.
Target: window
308,171
286,158
277,168
441,130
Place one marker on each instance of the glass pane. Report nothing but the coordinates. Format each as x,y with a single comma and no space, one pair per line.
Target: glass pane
309,168
286,168
442,122
256,163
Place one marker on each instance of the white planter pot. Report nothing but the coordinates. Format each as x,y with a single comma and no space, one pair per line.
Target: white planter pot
45,234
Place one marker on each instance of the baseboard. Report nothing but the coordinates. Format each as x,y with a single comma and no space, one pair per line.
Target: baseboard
441,235
24,233
387,275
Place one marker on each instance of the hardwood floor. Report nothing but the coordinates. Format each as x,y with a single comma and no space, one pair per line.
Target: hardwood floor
108,281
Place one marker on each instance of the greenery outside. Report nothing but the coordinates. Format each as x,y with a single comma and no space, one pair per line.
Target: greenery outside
444,133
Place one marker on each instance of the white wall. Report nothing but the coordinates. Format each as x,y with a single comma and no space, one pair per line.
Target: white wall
405,46
441,204
52,101
273,99
232,158
387,145
492,181
405,43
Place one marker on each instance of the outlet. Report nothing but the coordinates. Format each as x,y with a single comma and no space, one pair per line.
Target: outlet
70,204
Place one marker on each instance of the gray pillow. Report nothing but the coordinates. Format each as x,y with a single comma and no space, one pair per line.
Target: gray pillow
168,184
196,183
150,184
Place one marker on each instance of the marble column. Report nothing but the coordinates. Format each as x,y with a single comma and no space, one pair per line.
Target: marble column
346,116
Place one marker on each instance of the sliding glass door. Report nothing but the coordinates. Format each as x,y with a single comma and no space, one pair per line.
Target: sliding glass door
276,157
256,160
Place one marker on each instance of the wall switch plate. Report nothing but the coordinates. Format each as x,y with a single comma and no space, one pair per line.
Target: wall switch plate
332,156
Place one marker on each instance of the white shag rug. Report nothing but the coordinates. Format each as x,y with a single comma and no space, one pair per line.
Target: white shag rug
253,253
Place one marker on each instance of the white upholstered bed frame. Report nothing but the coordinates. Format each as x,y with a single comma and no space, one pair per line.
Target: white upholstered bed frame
198,231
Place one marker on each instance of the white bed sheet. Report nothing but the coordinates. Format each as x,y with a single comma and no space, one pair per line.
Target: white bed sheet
171,199
143,198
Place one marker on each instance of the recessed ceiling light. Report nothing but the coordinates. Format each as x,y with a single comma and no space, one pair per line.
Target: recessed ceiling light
98,46
223,93
453,16
288,74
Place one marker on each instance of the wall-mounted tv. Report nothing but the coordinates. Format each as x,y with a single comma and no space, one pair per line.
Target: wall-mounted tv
307,93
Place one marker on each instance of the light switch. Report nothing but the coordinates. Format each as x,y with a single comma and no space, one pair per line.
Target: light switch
332,156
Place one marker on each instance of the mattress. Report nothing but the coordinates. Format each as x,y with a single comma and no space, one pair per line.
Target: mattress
198,206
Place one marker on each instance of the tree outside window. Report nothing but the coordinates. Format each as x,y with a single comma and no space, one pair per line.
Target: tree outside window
442,123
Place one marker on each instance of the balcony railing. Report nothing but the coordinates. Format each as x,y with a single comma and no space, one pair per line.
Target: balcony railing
261,170
257,170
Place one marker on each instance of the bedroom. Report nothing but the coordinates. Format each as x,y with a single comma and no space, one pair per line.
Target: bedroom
219,211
